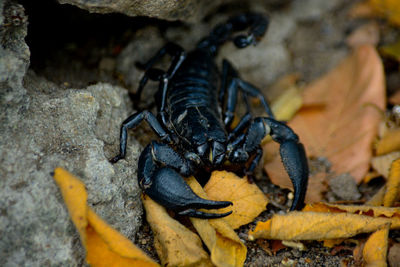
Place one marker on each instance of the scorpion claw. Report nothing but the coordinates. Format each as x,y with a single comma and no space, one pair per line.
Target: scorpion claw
169,189
295,162
203,215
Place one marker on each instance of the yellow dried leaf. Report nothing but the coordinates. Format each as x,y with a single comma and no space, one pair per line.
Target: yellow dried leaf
361,210
389,9
392,50
392,185
376,247
248,200
221,240
75,197
382,163
104,245
377,199
370,176
287,104
389,143
318,226
330,243
175,244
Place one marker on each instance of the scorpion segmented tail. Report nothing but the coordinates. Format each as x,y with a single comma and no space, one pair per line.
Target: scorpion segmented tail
257,24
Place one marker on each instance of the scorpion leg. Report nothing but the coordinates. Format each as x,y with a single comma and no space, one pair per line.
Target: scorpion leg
247,88
227,73
159,173
133,121
243,124
291,150
178,55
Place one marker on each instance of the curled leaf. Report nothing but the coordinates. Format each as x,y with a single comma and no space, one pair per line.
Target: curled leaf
318,226
377,199
221,240
287,104
382,163
392,50
175,244
248,200
376,248
389,9
389,143
365,34
392,185
361,210
104,245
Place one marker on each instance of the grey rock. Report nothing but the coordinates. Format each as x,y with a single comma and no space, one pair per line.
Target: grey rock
187,10
143,46
344,187
77,130
260,64
14,53
312,10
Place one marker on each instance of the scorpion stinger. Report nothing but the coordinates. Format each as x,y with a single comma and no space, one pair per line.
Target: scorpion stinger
193,122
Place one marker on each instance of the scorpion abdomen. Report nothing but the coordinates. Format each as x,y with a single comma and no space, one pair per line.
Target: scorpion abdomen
193,102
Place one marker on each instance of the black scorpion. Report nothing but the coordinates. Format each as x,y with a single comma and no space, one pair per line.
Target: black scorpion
196,134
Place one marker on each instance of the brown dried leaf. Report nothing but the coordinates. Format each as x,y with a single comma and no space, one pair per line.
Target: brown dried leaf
340,116
394,255
361,10
365,34
395,98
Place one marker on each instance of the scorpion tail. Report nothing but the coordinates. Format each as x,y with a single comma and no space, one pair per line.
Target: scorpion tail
256,23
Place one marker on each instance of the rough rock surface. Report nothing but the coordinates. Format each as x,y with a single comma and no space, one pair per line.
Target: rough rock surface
43,126
344,187
53,127
187,10
14,53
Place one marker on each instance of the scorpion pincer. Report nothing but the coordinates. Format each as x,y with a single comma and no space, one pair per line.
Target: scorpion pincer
194,123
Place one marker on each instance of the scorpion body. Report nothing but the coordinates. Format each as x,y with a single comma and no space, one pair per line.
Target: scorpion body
196,106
